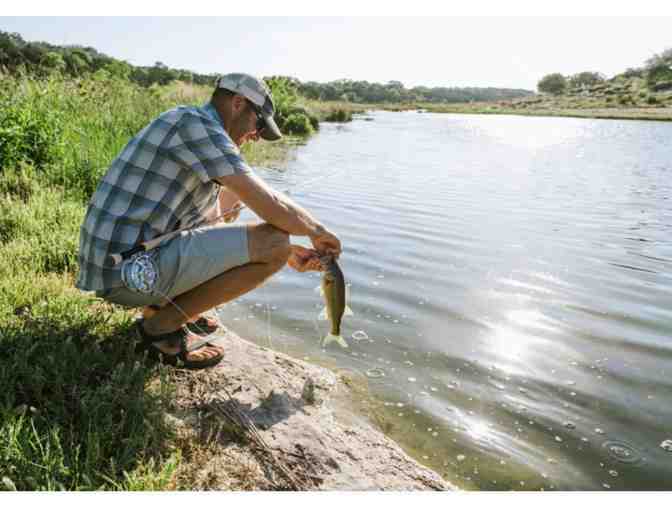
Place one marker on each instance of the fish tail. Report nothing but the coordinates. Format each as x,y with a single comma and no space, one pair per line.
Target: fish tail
334,338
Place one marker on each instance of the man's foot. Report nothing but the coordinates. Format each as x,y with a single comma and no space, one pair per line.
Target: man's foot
179,348
201,325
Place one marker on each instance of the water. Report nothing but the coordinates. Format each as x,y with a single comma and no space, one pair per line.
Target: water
510,278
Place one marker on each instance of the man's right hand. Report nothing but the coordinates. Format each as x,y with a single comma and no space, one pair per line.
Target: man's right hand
326,243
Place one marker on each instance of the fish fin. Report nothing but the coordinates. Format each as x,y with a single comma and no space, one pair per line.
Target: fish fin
323,314
348,311
319,290
334,338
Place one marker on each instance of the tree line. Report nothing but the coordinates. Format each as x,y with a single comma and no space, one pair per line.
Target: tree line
657,71
42,59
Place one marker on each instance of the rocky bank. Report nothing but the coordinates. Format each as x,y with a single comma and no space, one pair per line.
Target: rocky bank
261,420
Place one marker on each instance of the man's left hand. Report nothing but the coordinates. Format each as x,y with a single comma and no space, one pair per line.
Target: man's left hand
304,259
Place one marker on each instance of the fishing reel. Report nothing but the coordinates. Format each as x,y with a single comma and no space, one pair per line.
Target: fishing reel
140,273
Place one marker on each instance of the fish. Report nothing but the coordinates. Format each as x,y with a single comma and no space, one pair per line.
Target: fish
335,294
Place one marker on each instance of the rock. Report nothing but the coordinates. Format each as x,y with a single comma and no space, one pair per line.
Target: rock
302,412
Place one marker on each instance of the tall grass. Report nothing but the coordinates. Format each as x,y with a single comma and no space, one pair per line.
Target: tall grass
78,410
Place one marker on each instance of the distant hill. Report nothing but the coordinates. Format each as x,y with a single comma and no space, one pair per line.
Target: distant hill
41,59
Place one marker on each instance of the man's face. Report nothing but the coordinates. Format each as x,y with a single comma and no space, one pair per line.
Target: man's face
244,125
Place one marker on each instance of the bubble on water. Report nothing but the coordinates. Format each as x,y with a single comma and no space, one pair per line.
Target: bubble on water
558,439
667,445
461,457
360,335
425,457
435,434
522,390
409,363
400,414
500,386
569,425
433,388
502,462
584,439
613,473
599,431
606,486
573,394
375,373
412,379
622,452
399,404
571,383
551,460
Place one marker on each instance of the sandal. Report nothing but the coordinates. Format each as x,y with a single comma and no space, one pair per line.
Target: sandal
188,341
203,326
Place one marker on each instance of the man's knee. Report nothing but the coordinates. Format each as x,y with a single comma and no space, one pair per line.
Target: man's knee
268,244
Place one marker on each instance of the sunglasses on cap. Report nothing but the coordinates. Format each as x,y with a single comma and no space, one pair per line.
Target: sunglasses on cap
261,123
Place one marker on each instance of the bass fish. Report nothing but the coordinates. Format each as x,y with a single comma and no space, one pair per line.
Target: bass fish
334,292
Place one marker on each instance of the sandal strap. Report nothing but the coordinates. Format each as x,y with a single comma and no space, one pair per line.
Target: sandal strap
182,335
194,346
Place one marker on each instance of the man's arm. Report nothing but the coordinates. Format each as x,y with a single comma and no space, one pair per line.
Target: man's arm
271,206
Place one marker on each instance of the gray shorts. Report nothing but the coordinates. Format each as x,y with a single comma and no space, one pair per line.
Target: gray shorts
192,258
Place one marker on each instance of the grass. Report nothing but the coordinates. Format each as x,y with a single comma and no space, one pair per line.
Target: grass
79,410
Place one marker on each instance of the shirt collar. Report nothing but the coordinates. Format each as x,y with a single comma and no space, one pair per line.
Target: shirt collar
210,109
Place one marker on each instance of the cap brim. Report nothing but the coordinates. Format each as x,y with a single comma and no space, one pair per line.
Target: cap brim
271,131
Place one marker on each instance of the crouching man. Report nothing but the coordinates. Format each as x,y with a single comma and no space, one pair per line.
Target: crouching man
184,174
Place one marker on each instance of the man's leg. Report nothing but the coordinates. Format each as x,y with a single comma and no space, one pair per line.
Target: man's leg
268,250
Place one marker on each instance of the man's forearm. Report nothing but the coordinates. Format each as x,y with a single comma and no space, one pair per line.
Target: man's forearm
287,215
273,207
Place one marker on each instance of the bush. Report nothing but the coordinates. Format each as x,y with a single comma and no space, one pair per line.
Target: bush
651,100
29,132
298,124
339,115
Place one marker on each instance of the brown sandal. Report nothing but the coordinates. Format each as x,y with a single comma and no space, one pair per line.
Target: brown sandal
189,342
203,326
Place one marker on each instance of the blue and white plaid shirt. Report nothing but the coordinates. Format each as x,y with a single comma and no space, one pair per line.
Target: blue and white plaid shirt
160,182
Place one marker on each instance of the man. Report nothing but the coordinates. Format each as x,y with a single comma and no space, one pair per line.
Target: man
181,172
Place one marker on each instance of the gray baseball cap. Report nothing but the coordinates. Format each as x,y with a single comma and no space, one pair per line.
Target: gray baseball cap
258,93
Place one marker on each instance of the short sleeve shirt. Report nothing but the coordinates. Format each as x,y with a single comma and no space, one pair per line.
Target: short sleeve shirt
161,181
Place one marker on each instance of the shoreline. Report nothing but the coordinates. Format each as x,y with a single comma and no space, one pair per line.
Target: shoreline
309,435
649,114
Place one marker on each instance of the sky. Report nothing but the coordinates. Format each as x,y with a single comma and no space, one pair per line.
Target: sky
511,52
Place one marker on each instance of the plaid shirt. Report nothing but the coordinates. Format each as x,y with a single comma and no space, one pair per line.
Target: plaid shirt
160,182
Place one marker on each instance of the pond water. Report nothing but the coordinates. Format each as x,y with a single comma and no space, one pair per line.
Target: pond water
511,284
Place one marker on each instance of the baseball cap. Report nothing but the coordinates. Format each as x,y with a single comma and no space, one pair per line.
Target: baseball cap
258,93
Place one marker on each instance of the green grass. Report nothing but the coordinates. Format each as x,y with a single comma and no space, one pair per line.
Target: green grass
79,410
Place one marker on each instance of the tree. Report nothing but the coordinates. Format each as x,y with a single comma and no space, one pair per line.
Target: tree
586,79
552,84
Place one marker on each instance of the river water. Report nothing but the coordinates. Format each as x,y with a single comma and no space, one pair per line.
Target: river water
511,283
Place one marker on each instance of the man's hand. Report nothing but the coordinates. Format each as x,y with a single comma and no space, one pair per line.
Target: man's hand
234,212
326,243
304,259
229,205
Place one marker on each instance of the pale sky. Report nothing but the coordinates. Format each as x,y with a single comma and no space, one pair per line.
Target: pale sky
435,51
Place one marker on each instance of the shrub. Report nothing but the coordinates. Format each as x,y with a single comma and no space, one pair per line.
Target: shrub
298,124
339,115
651,100
29,132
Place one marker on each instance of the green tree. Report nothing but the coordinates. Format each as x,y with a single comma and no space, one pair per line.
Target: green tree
53,61
586,79
554,83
